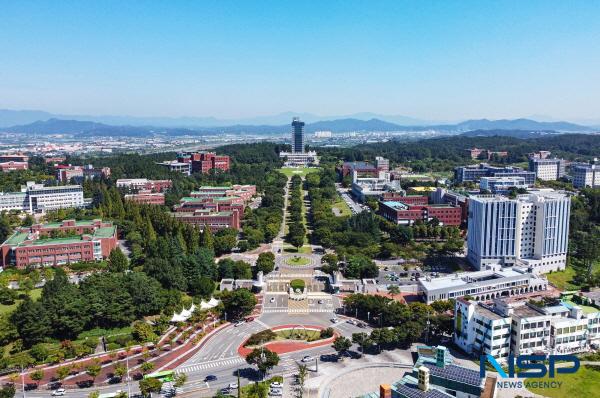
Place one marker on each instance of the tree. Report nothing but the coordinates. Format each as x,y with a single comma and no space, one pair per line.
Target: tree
94,394
341,344
362,339
117,261
265,262
37,375
180,380
207,239
31,322
93,371
7,391
302,373
119,371
143,332
147,367
62,372
238,303
263,358
393,290
150,385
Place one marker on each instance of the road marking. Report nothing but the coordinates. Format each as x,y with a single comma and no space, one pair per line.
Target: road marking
212,364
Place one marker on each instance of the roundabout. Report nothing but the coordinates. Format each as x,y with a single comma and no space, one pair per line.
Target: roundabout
285,339
297,261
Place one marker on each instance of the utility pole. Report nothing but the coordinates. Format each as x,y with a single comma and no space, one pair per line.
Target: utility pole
22,381
239,392
128,381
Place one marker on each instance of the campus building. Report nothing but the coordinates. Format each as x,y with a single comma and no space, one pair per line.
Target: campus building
217,207
60,243
141,184
501,185
14,157
481,285
12,166
478,153
66,173
434,375
531,230
507,327
475,172
197,162
547,169
298,157
586,175
461,199
34,198
147,197
365,169
374,187
400,212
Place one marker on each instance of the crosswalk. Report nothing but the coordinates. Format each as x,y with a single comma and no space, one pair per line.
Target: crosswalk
296,310
212,364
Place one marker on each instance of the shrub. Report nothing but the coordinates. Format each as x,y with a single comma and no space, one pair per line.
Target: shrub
327,333
261,337
297,284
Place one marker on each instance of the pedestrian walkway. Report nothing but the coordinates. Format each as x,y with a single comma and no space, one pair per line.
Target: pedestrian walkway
295,307
212,364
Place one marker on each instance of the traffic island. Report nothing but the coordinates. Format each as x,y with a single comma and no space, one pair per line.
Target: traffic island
288,338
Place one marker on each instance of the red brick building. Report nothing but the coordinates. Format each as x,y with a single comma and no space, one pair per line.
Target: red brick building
218,207
147,197
215,220
203,162
143,184
12,166
402,213
61,243
409,200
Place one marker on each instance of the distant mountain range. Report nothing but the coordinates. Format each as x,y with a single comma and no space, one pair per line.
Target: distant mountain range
512,127
10,118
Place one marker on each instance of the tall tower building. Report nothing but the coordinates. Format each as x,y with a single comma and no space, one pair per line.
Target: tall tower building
297,136
530,231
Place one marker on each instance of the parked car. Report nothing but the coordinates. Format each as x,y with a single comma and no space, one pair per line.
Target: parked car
233,386
307,358
250,319
276,384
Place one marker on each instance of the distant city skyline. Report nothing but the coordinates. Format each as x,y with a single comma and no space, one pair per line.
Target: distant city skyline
432,61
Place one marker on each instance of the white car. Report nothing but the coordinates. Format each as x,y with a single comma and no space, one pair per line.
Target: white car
233,386
59,392
333,320
276,392
276,384
272,300
239,323
307,358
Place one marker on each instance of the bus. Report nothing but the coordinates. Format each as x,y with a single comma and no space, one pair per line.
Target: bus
164,376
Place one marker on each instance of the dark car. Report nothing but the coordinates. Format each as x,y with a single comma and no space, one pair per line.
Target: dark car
210,378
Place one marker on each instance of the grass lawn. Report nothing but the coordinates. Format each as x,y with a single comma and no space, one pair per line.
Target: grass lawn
35,294
342,208
583,383
563,280
297,261
299,171
299,334
291,249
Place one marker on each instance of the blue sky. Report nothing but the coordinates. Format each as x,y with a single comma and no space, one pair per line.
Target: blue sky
433,60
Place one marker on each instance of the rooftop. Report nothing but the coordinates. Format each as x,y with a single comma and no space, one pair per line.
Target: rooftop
473,278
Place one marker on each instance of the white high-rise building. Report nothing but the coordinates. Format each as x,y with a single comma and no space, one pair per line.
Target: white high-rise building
547,169
586,175
38,198
531,231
